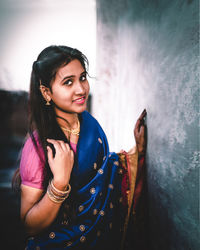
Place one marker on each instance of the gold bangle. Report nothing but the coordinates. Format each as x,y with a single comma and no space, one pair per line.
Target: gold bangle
56,195
59,191
54,199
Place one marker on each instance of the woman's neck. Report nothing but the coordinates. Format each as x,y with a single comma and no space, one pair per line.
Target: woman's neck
67,119
70,121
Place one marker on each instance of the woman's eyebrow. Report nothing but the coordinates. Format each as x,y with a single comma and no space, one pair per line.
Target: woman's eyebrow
66,77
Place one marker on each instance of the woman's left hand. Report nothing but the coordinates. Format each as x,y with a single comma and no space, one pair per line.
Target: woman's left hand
140,133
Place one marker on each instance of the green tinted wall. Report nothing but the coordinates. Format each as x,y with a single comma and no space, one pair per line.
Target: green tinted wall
155,47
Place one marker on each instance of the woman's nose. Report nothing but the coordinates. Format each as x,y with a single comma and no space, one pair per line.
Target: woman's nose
79,88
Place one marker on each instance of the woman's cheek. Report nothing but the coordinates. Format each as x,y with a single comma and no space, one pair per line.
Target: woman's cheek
88,87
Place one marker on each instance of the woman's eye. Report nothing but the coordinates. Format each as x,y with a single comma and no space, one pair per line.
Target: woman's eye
83,78
68,82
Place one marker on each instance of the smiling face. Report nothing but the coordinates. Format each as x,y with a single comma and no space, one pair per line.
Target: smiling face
70,89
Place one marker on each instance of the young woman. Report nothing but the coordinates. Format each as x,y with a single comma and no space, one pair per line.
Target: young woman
73,190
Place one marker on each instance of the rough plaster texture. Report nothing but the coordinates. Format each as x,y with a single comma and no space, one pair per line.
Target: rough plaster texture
148,57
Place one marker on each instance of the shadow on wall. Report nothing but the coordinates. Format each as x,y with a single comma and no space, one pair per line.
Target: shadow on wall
13,129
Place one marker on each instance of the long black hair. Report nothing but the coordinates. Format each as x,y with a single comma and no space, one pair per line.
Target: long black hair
42,118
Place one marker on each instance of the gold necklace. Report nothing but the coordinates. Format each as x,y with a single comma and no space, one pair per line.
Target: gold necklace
75,131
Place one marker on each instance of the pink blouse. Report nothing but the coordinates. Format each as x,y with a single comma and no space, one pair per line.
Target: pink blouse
32,169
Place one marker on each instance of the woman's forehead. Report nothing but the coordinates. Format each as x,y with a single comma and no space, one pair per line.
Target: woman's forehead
72,68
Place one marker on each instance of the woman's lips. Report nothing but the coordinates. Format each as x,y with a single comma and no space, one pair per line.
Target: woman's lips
80,100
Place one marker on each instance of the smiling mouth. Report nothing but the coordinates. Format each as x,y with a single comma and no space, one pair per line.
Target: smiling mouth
80,100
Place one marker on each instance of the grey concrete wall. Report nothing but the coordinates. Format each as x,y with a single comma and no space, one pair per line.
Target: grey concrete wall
147,57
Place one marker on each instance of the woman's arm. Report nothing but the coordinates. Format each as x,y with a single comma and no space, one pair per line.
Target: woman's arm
38,211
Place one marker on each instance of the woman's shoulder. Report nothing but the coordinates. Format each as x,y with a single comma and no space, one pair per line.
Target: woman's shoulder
33,145
89,119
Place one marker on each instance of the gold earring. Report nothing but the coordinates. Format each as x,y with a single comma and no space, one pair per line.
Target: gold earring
48,103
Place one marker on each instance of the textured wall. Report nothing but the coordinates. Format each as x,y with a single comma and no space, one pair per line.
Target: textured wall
147,57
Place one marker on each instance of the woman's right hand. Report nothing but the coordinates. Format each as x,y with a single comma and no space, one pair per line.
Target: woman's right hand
61,164
140,133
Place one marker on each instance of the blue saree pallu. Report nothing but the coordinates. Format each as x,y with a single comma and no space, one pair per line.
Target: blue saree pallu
97,216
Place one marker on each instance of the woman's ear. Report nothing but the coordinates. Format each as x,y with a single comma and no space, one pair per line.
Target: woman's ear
46,93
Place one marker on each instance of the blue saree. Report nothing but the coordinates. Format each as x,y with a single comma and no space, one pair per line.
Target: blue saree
96,196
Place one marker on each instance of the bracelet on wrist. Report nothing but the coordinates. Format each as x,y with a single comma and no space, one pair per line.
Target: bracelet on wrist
60,191
56,195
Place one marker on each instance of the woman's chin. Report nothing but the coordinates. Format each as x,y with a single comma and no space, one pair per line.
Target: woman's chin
80,109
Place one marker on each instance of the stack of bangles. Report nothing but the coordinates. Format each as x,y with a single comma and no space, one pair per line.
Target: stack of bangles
56,195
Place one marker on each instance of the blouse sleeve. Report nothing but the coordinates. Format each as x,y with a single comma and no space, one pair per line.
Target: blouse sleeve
31,166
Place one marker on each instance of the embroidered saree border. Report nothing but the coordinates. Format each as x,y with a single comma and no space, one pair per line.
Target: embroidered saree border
129,162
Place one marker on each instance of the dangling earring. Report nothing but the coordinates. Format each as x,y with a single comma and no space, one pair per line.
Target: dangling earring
48,103
41,90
